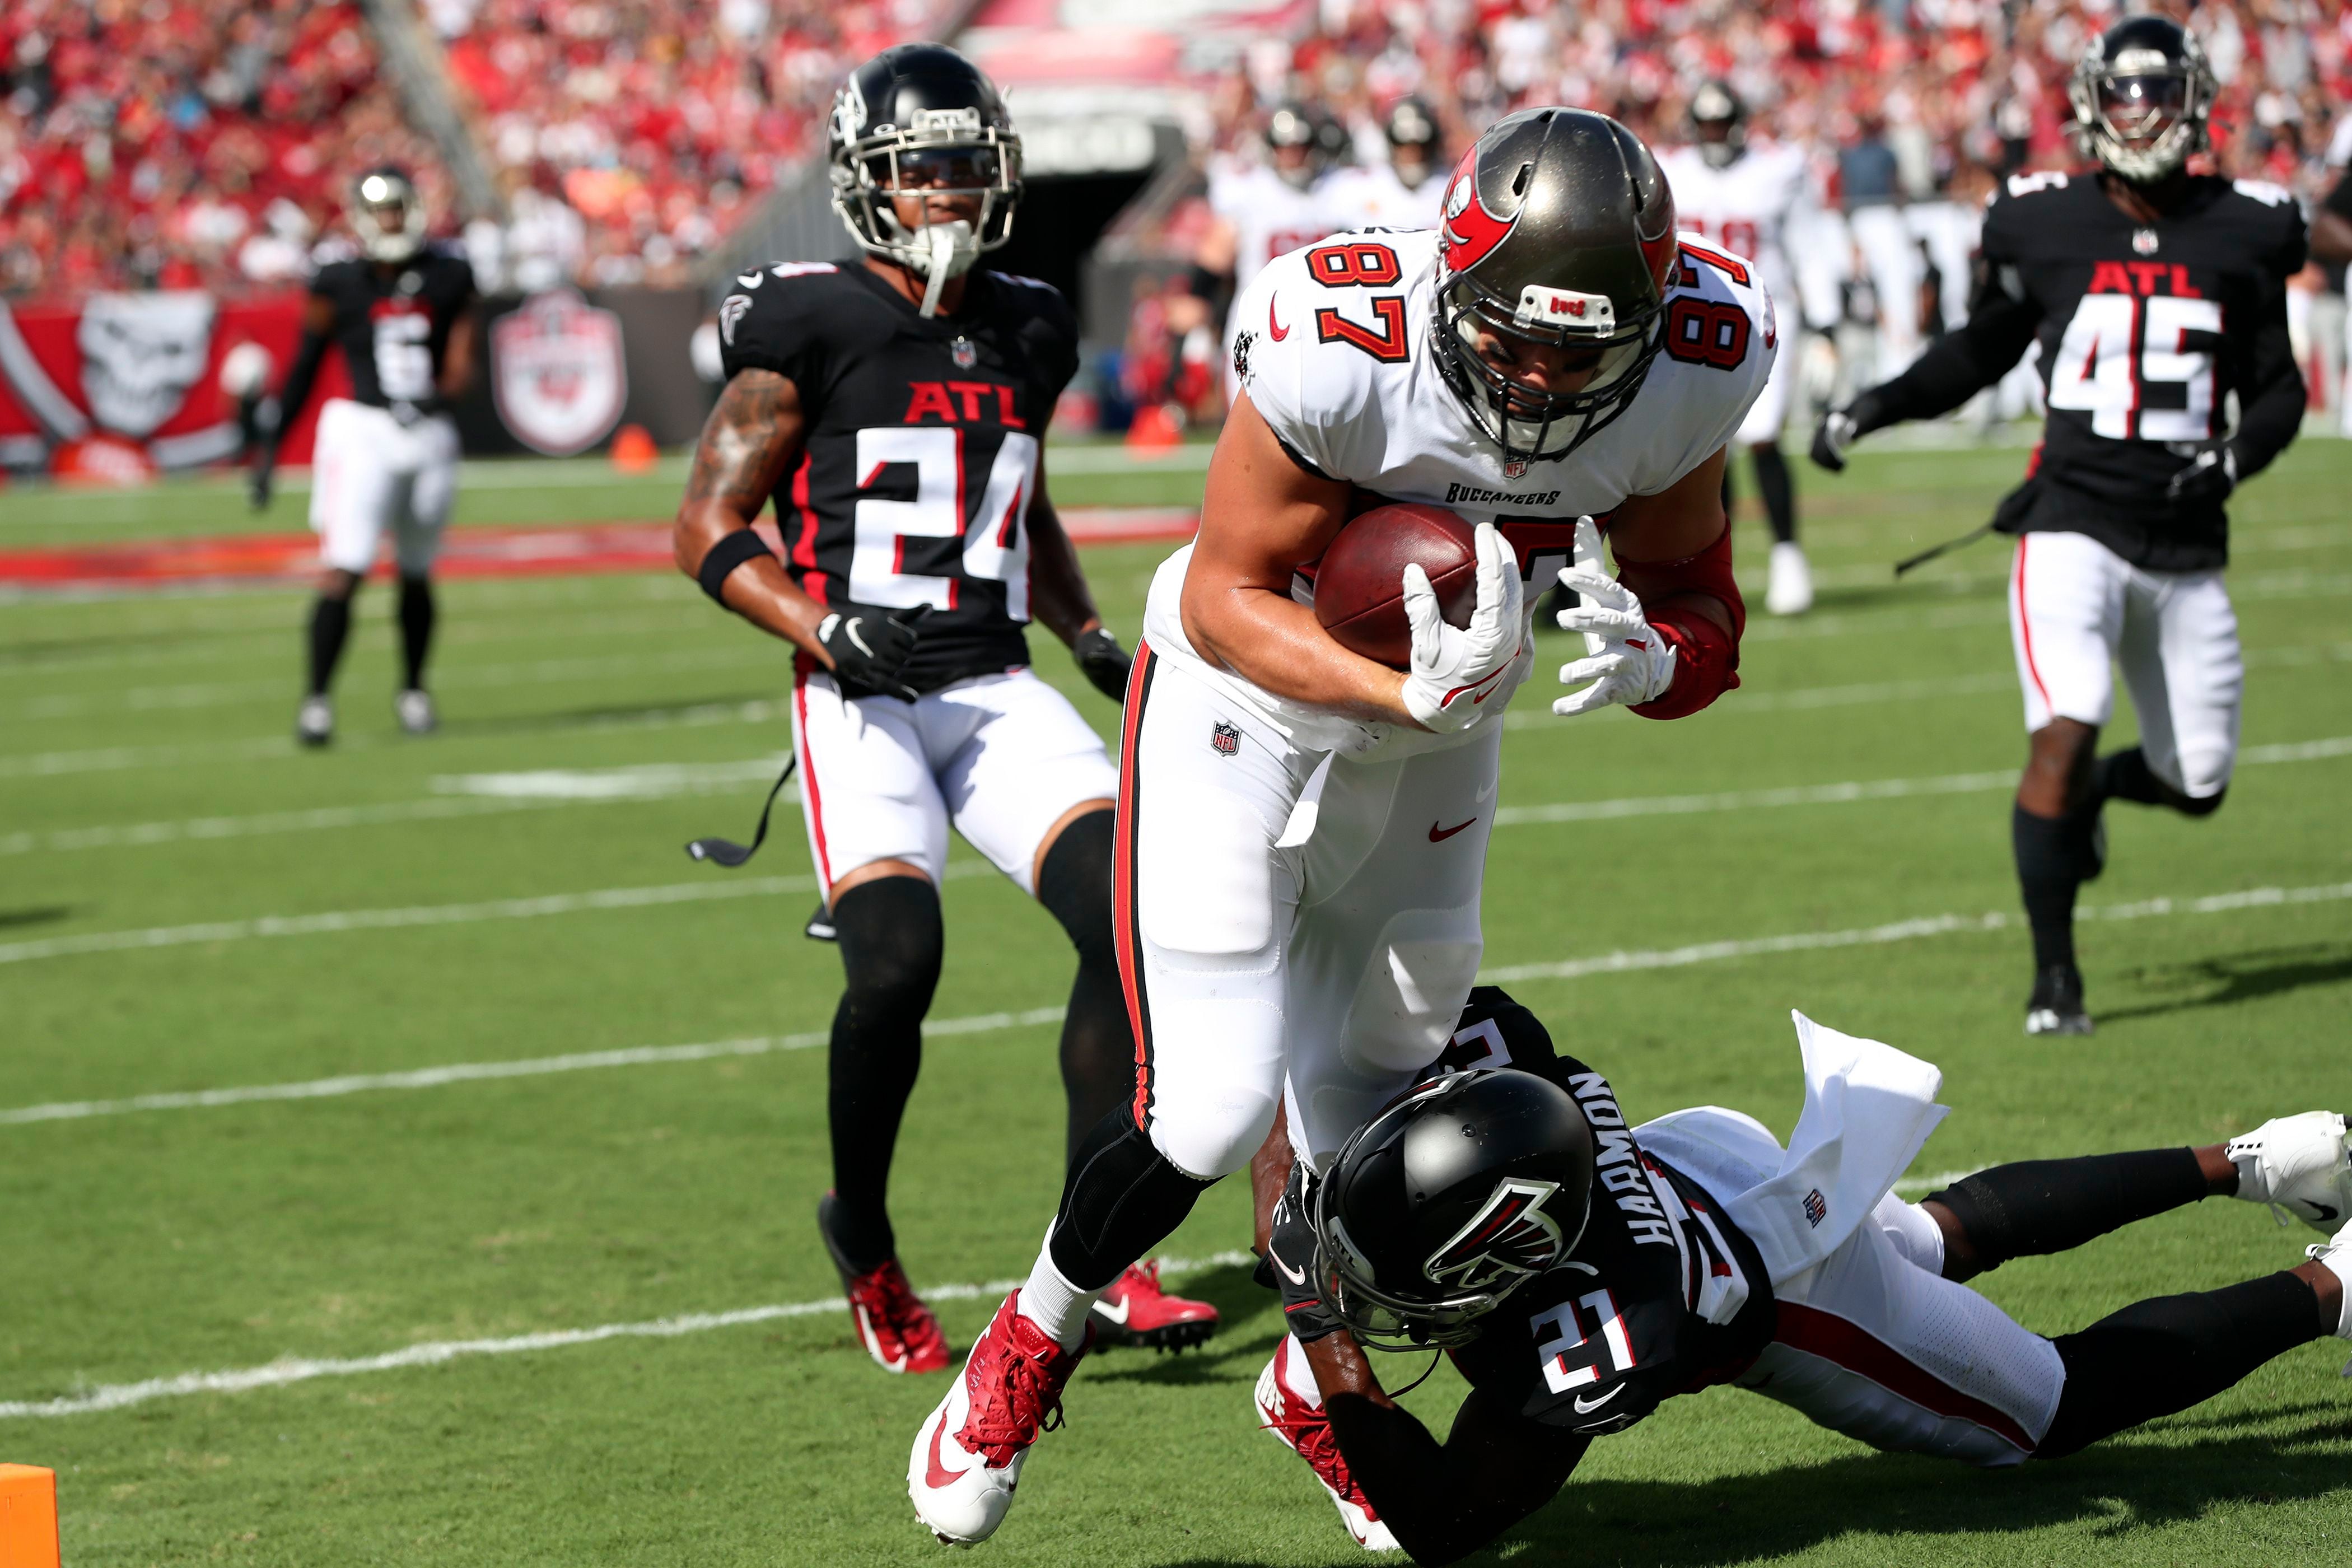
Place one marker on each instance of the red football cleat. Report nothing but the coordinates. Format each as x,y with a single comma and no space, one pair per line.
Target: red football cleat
896,1330
1135,1311
1305,1430
967,1458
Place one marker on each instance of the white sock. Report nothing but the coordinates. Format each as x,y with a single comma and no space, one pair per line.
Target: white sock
2338,1260
1053,1303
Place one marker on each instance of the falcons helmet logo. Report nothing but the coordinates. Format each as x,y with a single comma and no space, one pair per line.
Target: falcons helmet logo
1510,1236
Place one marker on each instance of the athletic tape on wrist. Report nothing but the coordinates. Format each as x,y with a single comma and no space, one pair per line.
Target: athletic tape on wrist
723,557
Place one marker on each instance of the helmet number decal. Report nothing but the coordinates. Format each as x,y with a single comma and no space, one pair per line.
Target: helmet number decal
1707,331
1360,264
1385,343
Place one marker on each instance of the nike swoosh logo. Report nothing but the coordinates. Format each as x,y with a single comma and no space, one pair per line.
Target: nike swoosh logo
2324,1211
936,1476
1295,1276
1114,1314
1440,835
1583,1407
1275,329
1488,684
1485,792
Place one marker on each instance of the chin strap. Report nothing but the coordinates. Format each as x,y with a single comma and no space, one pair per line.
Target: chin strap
942,238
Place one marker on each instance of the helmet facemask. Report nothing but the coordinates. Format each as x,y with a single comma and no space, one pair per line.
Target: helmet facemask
388,216
2143,111
1532,426
949,153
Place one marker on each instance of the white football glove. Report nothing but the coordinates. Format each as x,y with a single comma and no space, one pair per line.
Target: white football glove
1625,660
1456,670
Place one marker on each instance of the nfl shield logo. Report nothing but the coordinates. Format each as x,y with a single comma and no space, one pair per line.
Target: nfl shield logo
1817,1208
1224,740
965,353
1515,468
2144,241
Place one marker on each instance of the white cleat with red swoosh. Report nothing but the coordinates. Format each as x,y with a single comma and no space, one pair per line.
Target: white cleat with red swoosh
967,1458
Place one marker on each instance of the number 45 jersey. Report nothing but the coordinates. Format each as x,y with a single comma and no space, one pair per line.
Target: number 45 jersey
2145,331
922,453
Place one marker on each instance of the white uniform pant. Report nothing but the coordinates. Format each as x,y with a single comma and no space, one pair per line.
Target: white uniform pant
368,472
1761,424
1872,1340
2076,609
1325,973
1891,256
1000,757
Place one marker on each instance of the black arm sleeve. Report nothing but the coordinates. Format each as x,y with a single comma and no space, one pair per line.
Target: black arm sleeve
2271,409
300,377
1957,366
1494,1469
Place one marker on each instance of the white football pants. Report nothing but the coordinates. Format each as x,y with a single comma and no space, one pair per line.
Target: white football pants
368,472
2077,608
1292,926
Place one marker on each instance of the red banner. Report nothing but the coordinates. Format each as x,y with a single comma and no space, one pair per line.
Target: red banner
140,375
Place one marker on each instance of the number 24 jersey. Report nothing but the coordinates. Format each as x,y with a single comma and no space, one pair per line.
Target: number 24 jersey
922,443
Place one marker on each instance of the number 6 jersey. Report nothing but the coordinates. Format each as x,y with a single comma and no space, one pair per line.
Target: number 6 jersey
921,451
392,323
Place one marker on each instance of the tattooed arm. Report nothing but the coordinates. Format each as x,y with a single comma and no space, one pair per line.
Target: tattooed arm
751,440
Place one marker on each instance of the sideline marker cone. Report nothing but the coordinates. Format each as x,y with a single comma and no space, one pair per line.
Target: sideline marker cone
28,1517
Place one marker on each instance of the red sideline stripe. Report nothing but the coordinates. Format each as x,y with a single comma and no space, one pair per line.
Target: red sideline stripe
808,778
1838,1341
1122,885
2025,627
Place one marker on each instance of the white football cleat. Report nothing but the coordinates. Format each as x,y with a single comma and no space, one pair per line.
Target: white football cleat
417,714
1305,1431
1789,590
2337,1253
967,1458
2298,1165
314,722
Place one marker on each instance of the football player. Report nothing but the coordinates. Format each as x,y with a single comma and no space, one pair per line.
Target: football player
1302,831
2157,295
1407,191
894,407
385,457
1263,210
1581,1272
1743,198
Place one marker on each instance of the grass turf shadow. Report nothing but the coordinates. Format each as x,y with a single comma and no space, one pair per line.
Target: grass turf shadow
2238,977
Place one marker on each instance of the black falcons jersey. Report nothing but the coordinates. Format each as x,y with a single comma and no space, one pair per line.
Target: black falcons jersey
393,325
2146,329
922,445
1662,1294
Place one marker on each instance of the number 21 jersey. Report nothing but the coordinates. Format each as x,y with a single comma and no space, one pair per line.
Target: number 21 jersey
922,442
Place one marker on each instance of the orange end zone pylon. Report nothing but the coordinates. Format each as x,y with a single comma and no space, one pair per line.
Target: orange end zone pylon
28,1517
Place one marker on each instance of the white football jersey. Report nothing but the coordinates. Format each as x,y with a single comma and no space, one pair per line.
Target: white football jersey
1343,374
1270,215
1375,198
1745,208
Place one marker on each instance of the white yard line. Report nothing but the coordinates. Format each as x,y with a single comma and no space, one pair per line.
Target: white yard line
1569,969
278,1374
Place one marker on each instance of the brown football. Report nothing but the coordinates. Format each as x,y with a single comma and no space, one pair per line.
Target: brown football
1359,583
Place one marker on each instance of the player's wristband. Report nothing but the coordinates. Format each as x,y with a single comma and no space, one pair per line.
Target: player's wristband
723,557
1706,663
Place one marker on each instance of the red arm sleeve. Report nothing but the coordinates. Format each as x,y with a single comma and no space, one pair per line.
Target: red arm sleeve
1706,658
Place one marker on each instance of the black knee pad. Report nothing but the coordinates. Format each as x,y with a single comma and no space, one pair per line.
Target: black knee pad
1074,886
892,940
1122,1199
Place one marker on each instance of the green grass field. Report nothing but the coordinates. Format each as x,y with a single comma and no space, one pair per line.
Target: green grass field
186,904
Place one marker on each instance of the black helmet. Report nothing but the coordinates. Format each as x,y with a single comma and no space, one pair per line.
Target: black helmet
1559,228
1718,124
1298,124
1412,123
2142,95
388,214
922,116
1443,1204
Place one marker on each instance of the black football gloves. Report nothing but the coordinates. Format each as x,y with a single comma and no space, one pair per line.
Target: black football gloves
1841,427
1104,662
870,649
1290,1251
2208,480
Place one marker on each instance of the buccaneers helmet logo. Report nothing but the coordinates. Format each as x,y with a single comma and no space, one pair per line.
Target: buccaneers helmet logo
1509,1236
1470,231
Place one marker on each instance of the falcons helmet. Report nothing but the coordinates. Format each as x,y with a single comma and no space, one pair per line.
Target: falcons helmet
2142,97
1718,123
1443,1204
388,215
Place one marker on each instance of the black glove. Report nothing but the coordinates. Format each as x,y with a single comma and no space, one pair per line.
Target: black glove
260,481
1290,1248
1104,662
869,648
2208,480
1841,427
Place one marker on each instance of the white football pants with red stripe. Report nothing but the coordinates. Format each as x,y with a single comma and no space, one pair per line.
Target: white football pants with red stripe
1292,926
2076,609
1872,1340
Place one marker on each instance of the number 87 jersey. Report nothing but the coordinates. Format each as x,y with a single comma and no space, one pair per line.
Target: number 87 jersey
921,446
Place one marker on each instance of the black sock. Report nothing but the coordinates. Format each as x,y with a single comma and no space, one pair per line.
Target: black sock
330,627
2053,853
2159,1356
1098,1041
1779,488
415,626
2125,775
2054,1205
891,943
1122,1199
